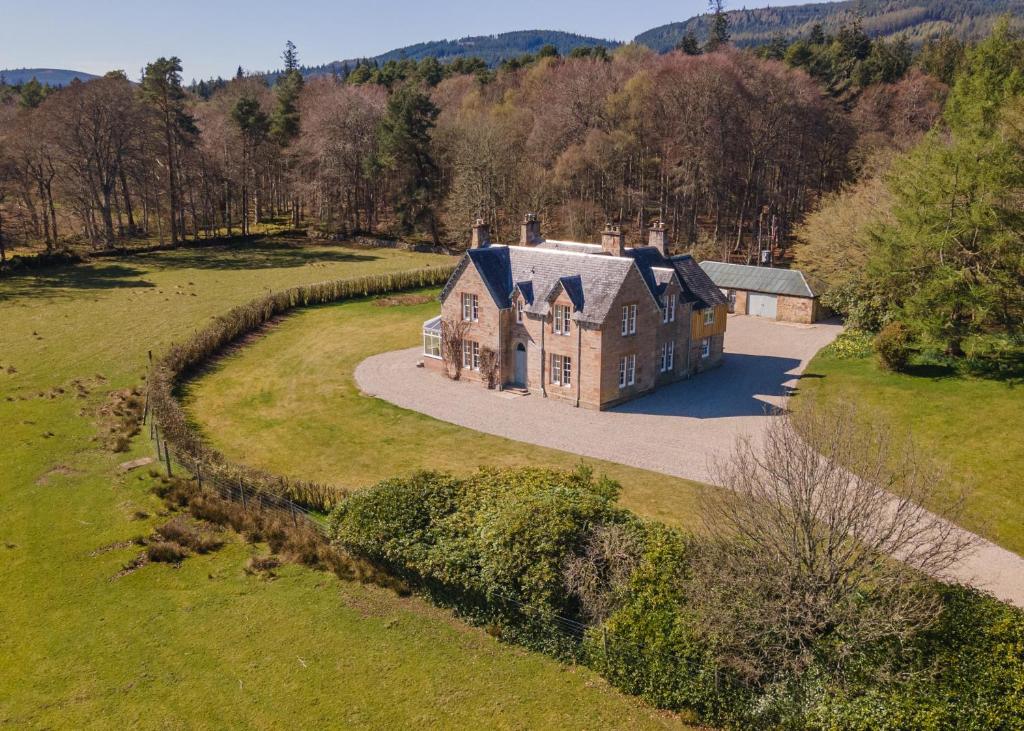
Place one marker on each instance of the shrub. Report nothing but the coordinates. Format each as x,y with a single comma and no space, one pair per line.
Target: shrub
893,345
851,343
166,552
179,530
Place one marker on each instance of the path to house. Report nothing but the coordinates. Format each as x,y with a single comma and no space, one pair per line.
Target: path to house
679,430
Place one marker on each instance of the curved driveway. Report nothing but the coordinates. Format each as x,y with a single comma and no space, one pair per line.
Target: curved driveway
678,430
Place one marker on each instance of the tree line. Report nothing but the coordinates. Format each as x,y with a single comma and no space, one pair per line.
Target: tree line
728,148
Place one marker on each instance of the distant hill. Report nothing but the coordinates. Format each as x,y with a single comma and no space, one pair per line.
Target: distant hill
47,77
492,49
918,20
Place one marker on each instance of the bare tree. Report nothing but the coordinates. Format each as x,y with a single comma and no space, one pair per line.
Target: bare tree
821,545
453,335
599,573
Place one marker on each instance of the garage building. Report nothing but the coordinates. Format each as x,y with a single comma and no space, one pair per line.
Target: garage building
775,294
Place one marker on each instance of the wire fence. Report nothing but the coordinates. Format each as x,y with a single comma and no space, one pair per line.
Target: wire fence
228,488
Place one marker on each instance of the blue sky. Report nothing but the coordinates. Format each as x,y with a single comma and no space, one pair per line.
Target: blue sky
214,37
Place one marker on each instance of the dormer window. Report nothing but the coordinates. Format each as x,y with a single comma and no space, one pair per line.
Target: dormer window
519,310
563,320
709,316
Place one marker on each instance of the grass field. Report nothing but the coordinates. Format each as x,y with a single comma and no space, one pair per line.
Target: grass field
207,645
972,425
288,402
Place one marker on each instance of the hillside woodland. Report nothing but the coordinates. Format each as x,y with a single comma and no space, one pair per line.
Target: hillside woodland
905,202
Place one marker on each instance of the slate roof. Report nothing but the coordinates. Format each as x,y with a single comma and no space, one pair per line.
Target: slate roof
758,279
697,284
592,280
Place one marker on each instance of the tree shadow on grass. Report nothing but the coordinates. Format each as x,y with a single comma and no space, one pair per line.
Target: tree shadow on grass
247,255
59,281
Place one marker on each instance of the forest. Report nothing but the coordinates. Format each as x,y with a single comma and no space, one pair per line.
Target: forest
725,147
796,141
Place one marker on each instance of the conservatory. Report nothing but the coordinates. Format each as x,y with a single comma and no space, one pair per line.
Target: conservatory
432,337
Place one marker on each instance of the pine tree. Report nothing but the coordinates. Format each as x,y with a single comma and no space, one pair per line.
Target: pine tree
254,125
405,149
161,89
719,34
32,94
688,44
290,57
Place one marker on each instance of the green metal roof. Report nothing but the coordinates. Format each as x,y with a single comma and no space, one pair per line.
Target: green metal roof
758,279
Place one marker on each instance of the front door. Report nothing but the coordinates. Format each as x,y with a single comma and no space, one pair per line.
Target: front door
520,369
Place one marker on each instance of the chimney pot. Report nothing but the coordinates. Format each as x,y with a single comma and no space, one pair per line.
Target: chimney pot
658,237
481,237
529,231
612,241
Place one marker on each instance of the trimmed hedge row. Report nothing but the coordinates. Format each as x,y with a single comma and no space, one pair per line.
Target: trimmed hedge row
183,358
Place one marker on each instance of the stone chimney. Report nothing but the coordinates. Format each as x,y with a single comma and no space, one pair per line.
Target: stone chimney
658,237
612,241
529,231
481,238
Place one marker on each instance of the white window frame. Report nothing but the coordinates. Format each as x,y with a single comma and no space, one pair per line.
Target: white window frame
627,370
431,344
669,315
519,310
467,354
470,307
628,320
666,359
561,369
562,320
709,316
476,355
705,347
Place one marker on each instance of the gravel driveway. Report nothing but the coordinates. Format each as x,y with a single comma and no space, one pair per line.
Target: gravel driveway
678,430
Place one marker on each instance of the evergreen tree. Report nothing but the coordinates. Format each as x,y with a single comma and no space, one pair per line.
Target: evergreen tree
290,57
254,125
32,94
285,122
161,89
688,44
719,35
406,150
952,261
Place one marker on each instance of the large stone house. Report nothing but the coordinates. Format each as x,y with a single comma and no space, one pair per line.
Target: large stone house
591,324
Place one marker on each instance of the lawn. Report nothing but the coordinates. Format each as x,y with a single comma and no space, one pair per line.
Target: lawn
288,402
971,425
207,645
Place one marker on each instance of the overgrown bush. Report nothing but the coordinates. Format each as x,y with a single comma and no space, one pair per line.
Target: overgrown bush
486,544
894,346
188,445
166,552
499,535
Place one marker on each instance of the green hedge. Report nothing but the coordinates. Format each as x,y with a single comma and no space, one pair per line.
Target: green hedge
182,358
476,543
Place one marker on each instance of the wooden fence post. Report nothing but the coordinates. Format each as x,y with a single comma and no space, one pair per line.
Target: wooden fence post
167,457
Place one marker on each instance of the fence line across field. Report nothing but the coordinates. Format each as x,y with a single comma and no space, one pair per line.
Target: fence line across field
234,489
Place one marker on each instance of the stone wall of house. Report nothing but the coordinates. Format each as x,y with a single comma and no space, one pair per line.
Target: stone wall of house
643,344
796,309
486,328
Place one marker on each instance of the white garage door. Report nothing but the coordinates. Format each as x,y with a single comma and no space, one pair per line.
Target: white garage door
762,305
